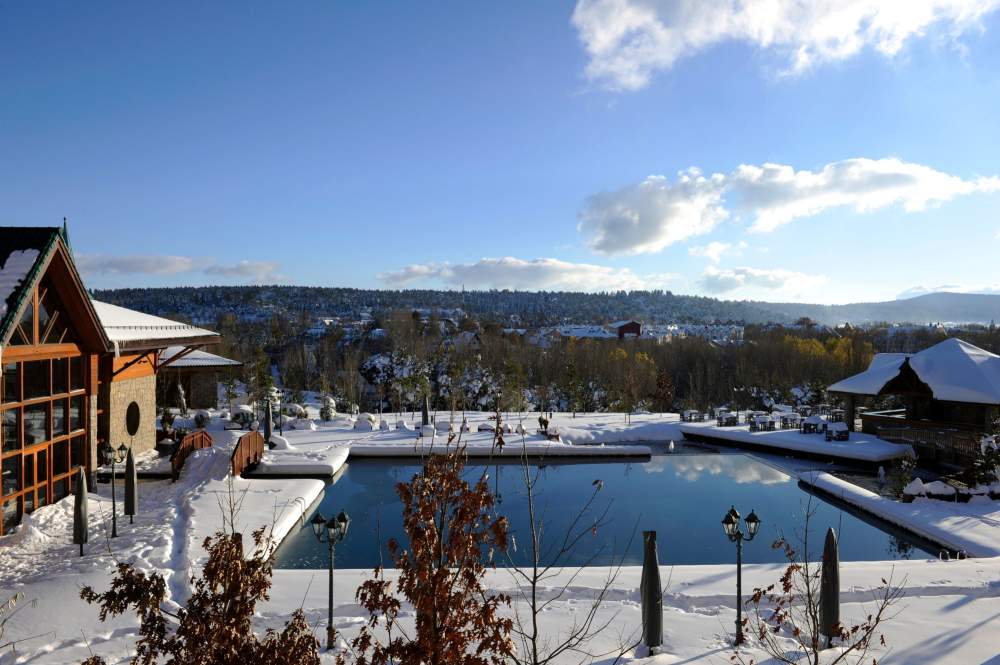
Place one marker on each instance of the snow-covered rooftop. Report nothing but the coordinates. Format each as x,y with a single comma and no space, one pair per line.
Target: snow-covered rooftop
954,370
131,328
196,358
13,271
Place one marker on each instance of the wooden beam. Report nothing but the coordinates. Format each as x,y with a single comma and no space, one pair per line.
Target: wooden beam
158,364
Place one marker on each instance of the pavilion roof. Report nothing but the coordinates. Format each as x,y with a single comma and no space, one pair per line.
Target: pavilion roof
954,370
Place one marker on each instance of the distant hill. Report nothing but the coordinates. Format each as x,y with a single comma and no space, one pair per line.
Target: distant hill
205,304
928,308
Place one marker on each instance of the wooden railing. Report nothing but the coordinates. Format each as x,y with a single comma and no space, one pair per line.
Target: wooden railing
248,452
936,445
196,440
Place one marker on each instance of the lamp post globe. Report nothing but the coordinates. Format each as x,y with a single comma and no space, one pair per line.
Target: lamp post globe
318,523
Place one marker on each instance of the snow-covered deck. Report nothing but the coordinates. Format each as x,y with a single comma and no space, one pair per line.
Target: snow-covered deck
972,527
863,448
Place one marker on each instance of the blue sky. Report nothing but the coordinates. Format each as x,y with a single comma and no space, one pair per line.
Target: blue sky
530,145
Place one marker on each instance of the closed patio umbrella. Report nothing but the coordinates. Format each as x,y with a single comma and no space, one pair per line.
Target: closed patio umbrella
268,422
131,488
80,531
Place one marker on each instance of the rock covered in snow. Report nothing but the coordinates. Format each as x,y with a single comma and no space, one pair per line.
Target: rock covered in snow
915,488
364,425
279,442
302,423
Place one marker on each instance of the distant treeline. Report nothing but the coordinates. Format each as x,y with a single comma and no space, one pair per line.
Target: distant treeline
403,357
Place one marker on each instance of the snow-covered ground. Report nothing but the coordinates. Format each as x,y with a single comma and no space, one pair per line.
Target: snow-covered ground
951,613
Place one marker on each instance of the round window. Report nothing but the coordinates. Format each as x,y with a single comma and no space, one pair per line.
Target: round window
132,419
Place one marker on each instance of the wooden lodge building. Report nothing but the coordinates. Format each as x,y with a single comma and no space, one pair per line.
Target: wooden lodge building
71,367
949,394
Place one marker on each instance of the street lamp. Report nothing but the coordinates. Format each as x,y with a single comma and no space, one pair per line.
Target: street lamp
731,525
113,456
330,532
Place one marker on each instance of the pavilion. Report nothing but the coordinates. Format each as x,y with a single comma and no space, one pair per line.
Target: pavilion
950,393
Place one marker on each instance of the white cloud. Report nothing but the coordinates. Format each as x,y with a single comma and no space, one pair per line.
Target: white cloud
627,41
645,218
715,250
533,275
99,264
256,271
776,194
649,216
715,280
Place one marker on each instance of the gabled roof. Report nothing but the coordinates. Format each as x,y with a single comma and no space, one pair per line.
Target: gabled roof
954,370
26,252
22,253
196,358
129,329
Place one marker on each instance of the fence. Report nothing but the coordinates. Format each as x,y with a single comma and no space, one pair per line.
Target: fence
942,446
248,452
196,440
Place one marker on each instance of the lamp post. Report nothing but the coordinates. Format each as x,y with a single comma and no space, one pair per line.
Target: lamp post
331,532
113,456
731,525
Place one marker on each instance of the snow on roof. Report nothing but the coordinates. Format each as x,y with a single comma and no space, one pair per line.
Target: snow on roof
13,272
196,358
955,371
625,322
128,327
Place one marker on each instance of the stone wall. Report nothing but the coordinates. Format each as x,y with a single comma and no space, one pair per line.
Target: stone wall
142,391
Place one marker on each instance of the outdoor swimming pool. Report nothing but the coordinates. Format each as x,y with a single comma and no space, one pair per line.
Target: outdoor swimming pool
683,497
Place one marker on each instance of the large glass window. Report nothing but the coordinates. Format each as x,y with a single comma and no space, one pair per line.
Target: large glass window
36,424
36,379
42,465
76,373
60,457
76,405
60,376
24,332
11,383
11,514
10,471
43,411
60,423
78,451
11,430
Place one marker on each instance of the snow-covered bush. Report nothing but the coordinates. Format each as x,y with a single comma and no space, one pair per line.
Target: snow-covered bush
202,419
985,468
328,410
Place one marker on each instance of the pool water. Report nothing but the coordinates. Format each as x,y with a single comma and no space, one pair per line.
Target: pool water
683,497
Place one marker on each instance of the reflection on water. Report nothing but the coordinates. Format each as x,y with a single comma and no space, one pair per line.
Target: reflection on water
681,496
734,467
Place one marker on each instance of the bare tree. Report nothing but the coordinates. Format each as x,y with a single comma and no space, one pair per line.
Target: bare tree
785,618
547,559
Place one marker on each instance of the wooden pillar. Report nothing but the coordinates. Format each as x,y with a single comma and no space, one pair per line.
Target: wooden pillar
849,412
